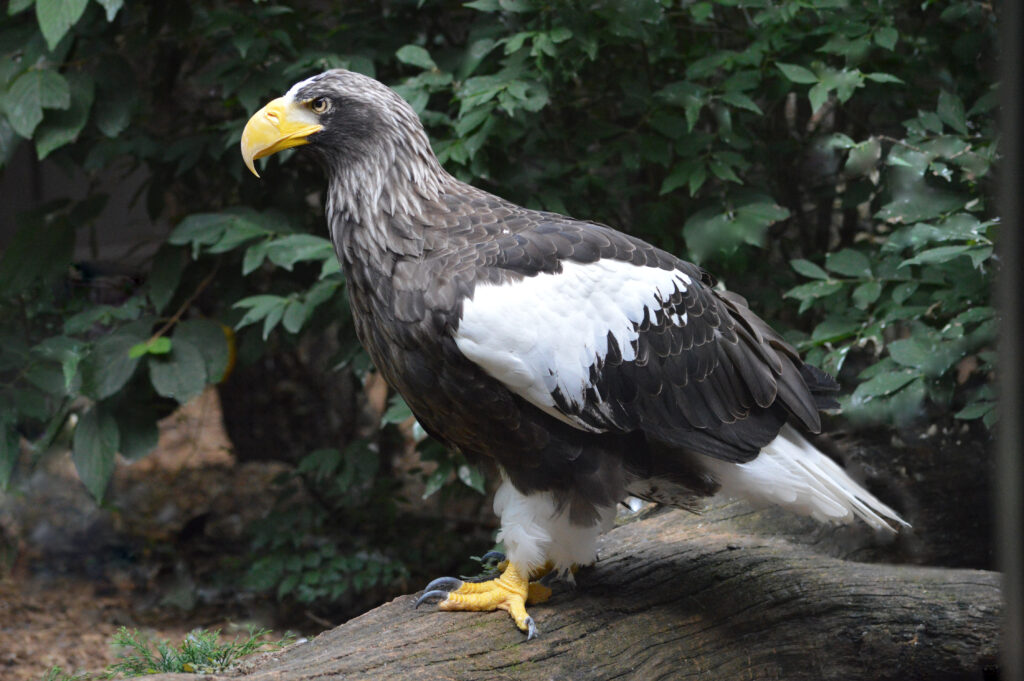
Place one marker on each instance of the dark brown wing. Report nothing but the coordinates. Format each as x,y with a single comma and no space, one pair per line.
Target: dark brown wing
697,370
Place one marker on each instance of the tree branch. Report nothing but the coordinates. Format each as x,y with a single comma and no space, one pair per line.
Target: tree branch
677,596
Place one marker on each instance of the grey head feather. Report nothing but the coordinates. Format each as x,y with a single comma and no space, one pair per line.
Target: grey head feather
383,173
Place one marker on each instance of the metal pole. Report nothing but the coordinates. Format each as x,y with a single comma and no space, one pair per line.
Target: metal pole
1009,508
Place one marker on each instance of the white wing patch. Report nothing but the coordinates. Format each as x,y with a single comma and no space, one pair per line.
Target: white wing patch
544,332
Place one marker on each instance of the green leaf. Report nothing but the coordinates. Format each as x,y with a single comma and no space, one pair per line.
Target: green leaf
181,374
975,410
15,6
951,111
817,96
113,110
36,255
865,294
211,339
262,307
138,430
886,37
9,141
808,269
295,315
415,56
273,317
94,448
33,91
974,315
111,7
288,250
254,257
63,126
398,411
884,383
742,101
110,364
941,254
680,175
288,584
919,202
46,376
223,231
838,140
863,157
156,346
723,171
711,230
56,17
560,34
162,283
814,290
879,77
471,477
10,451
518,6
700,174
928,356
797,74
844,82
437,479
832,330
848,262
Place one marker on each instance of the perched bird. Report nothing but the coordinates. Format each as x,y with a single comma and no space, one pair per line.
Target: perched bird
586,363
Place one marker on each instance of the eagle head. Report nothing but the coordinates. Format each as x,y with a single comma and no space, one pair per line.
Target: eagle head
347,118
369,140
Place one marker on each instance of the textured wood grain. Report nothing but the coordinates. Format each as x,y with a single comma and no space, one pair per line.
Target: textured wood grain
677,596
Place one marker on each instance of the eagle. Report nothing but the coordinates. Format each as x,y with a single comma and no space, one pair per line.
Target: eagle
587,364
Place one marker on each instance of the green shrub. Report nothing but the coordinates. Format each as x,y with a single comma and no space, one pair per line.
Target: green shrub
852,139
202,652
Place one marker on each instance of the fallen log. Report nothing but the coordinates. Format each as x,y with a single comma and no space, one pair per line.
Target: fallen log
681,596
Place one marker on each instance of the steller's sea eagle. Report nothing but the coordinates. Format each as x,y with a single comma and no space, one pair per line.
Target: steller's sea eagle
586,363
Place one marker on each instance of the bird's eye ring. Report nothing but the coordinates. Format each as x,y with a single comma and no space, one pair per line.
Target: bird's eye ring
319,105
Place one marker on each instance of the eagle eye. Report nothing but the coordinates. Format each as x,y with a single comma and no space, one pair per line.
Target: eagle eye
320,105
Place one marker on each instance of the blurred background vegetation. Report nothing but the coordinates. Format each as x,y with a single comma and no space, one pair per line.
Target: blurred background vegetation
829,159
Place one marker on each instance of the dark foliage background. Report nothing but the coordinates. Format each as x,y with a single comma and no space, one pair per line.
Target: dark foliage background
829,159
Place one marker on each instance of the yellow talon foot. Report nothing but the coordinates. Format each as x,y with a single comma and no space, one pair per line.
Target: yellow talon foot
509,592
538,593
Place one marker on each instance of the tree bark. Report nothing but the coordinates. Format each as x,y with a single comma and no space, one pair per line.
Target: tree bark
677,596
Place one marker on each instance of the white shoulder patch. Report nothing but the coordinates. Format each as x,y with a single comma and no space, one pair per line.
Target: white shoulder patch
544,332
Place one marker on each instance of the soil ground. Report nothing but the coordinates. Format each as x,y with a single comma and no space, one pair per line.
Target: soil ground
80,571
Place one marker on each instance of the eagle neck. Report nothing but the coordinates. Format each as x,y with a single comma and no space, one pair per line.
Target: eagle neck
376,204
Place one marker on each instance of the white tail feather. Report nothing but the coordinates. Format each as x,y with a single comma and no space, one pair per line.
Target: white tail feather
792,473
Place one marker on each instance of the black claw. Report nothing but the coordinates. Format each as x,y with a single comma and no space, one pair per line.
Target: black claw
444,584
437,593
439,589
531,628
496,556
550,578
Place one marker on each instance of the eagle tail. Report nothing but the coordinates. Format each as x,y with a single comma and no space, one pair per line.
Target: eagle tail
792,473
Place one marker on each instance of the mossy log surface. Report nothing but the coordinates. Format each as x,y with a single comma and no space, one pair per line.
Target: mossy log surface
732,594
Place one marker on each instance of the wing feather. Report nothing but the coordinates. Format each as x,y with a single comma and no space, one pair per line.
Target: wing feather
609,334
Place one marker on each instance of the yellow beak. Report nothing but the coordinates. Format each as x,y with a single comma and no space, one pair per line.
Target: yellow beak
279,125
